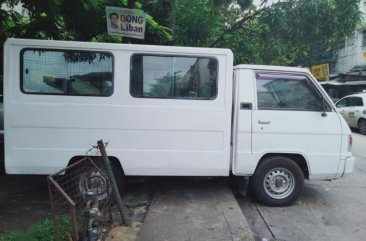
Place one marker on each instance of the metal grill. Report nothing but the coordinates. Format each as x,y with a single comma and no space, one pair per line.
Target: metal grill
82,203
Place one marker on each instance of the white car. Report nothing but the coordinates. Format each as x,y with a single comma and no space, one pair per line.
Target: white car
353,110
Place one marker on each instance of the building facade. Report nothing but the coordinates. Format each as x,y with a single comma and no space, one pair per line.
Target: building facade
351,58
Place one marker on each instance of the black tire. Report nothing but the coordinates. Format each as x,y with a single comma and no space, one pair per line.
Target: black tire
119,175
95,182
362,126
278,181
79,183
117,171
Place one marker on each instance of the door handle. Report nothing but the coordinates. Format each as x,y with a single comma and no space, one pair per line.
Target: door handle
264,122
246,106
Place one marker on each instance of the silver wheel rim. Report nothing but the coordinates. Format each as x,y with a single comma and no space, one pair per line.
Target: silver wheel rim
98,185
279,183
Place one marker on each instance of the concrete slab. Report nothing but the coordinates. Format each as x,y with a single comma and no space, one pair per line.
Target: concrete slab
326,211
194,210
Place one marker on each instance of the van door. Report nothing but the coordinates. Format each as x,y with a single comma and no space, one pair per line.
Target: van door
244,96
288,119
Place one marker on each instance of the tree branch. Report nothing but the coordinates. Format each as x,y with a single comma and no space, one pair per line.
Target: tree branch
236,26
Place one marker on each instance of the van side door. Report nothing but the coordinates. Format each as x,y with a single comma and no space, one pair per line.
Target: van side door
289,118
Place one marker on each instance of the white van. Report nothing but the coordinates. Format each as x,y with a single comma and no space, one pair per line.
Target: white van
170,111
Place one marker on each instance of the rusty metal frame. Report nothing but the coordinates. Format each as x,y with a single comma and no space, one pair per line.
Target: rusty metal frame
54,186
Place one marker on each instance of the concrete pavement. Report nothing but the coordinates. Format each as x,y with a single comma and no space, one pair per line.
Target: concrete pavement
331,211
194,210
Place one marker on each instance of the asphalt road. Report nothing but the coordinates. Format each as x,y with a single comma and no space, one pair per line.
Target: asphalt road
326,211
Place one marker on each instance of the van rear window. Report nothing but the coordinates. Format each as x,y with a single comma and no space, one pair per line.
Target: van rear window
66,72
173,77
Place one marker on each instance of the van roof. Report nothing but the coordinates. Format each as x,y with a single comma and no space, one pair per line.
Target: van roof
36,43
271,67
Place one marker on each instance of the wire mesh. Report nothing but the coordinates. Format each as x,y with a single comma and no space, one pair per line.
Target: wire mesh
82,203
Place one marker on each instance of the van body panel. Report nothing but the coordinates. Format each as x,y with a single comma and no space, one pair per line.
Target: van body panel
149,136
166,136
279,131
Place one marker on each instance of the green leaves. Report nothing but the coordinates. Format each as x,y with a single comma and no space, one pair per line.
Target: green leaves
198,22
286,32
312,23
283,33
47,230
244,4
83,20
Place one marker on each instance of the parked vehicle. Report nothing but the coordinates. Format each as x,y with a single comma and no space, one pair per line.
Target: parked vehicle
170,111
353,110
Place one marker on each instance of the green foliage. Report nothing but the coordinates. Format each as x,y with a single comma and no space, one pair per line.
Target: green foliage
198,22
244,4
287,32
83,20
191,16
39,232
44,231
161,11
309,28
284,33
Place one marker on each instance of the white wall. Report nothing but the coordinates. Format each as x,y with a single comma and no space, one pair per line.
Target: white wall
351,54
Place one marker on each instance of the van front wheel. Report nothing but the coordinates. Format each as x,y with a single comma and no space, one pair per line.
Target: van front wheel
278,181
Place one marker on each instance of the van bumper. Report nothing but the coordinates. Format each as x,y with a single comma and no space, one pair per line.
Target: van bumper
349,165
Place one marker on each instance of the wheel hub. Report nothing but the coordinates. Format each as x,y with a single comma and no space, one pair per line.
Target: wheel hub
279,183
95,183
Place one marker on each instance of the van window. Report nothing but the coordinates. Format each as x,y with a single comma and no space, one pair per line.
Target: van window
66,72
173,77
287,92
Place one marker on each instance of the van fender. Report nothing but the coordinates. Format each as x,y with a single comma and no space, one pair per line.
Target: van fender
249,166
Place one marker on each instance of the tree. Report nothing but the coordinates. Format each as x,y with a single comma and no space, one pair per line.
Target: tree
283,33
287,32
82,20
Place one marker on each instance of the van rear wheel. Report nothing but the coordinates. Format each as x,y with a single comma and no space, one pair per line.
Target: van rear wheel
278,181
83,181
98,183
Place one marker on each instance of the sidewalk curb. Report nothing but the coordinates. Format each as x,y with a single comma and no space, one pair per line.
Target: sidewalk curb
195,211
234,216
